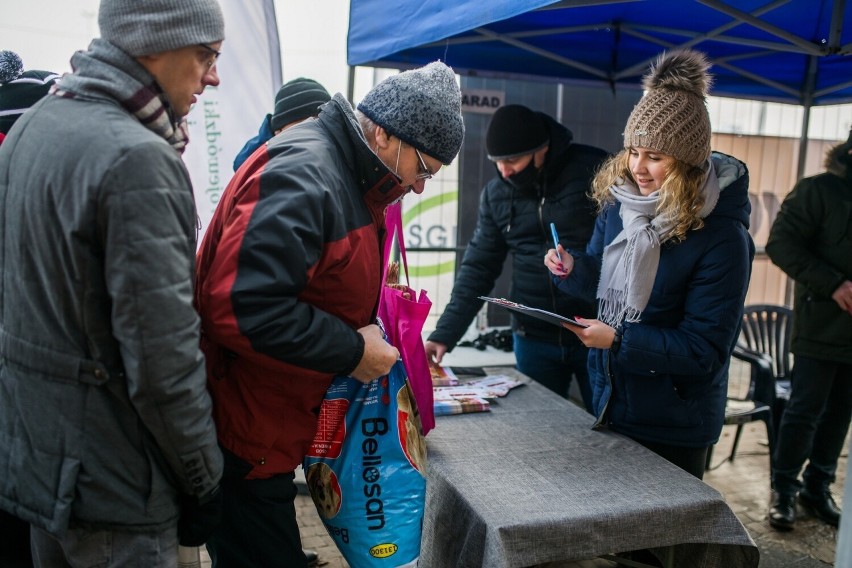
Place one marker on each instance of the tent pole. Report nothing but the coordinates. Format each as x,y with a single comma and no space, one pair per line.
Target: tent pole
800,172
560,100
803,142
807,103
350,85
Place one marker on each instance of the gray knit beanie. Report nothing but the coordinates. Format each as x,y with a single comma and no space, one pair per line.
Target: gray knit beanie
143,27
297,100
672,117
421,107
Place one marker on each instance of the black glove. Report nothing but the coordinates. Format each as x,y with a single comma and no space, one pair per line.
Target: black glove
199,517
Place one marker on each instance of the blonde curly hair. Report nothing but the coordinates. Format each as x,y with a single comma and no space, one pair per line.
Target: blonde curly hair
681,198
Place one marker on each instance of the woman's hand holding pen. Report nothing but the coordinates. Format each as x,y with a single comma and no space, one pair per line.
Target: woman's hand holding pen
559,262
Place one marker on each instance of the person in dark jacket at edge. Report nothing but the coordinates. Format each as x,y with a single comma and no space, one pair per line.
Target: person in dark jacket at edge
288,283
107,442
811,241
542,177
669,263
19,90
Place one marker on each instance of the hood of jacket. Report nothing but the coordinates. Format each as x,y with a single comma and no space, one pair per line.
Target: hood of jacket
732,176
560,141
377,183
837,161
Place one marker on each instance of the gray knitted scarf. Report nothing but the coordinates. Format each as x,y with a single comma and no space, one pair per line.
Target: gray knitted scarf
630,261
106,71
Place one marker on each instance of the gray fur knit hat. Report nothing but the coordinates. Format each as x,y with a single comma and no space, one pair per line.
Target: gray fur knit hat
143,27
421,107
672,117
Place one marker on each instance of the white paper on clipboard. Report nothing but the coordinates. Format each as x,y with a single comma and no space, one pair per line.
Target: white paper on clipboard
533,312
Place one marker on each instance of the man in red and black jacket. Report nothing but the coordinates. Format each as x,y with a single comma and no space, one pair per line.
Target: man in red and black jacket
288,282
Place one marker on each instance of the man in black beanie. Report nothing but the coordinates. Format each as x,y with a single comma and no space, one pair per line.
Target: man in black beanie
296,100
542,178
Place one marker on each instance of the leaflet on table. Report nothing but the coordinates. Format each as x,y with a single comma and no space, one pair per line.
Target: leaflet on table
533,312
461,405
495,385
443,376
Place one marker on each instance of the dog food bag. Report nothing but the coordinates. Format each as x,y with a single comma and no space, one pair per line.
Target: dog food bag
366,470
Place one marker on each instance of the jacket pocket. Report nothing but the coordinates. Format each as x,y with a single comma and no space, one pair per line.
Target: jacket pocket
822,326
654,401
42,494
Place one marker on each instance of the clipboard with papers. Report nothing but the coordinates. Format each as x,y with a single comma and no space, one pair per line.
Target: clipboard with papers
533,312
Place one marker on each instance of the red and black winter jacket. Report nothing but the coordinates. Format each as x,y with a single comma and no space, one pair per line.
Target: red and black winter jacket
288,270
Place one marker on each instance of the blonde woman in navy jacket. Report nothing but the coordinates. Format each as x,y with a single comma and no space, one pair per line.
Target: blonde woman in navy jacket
669,264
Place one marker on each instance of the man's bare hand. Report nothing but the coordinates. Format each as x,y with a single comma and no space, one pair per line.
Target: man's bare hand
843,296
435,352
379,355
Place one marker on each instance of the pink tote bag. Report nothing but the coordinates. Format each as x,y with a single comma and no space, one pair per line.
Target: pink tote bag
403,312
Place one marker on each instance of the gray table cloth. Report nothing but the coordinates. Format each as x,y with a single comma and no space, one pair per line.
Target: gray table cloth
530,483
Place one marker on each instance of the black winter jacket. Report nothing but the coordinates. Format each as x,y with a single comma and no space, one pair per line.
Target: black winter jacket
519,222
811,240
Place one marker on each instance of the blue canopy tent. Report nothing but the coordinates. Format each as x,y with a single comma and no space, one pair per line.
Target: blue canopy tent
790,51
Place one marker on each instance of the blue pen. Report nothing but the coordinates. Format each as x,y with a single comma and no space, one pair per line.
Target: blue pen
555,236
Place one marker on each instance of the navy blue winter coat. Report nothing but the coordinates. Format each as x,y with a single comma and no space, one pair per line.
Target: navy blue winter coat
668,381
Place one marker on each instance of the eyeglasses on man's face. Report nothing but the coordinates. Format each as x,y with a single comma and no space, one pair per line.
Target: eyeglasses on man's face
424,172
214,54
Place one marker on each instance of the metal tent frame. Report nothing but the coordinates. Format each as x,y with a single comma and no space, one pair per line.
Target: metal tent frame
788,51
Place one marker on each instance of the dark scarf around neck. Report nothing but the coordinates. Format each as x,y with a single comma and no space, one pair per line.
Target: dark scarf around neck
106,71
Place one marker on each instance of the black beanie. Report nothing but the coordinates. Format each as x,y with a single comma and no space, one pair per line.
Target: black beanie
297,100
515,130
19,90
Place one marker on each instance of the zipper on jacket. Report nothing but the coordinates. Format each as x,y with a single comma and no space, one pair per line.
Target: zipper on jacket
550,287
601,420
382,233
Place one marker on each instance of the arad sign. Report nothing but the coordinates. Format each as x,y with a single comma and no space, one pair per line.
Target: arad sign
482,101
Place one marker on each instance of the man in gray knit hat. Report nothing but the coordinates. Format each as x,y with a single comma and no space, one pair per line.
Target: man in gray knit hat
288,282
107,443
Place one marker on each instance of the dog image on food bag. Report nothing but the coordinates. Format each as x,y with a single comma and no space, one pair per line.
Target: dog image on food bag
324,489
408,419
